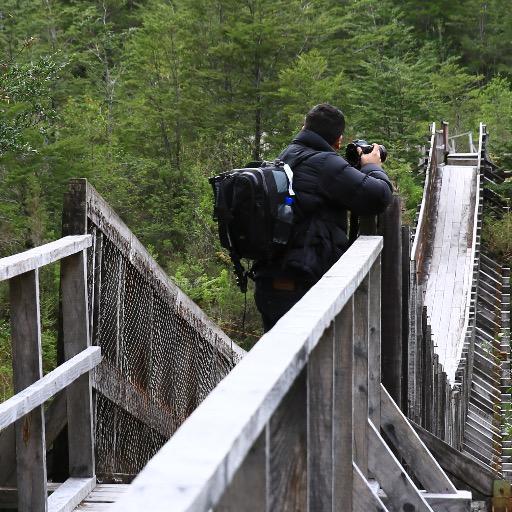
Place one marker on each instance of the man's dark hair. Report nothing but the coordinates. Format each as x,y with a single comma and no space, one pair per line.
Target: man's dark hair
327,121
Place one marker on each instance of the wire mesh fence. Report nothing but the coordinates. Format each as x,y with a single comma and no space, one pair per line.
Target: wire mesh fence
161,354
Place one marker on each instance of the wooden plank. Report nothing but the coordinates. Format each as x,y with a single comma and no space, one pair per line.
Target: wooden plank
374,344
342,409
409,445
360,387
27,368
320,422
392,477
53,382
70,494
457,464
39,256
235,412
365,500
248,489
390,222
75,329
287,451
458,502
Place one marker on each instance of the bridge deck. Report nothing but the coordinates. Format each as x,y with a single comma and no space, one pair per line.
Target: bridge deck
450,265
102,497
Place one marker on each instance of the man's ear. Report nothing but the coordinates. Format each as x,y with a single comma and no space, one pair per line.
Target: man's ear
337,143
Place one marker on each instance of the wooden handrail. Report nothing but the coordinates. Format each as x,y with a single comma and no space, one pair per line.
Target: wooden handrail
12,266
27,400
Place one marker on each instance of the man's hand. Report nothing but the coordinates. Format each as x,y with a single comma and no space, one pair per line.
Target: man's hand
370,158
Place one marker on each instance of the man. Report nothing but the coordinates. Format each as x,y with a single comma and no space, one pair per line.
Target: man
326,187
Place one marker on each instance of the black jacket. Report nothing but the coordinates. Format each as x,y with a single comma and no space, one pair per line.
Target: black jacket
326,186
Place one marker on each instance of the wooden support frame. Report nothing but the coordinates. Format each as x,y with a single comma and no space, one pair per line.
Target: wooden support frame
25,408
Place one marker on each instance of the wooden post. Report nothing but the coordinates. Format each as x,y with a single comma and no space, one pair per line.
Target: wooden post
342,411
76,338
406,296
360,389
320,421
27,368
374,350
287,451
444,125
390,229
248,489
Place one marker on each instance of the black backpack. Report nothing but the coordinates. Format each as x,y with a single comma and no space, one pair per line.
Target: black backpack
253,209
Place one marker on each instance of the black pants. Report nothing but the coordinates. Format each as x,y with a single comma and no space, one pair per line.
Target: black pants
273,303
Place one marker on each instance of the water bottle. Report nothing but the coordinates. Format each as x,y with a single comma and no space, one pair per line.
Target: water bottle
283,225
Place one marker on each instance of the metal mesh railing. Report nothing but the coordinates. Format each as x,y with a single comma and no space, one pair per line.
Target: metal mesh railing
162,355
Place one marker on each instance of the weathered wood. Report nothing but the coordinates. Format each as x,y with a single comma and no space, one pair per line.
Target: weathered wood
392,477
39,256
75,329
419,460
236,411
248,489
70,494
455,463
374,344
360,389
391,345
458,502
287,451
320,421
365,500
342,409
36,394
27,368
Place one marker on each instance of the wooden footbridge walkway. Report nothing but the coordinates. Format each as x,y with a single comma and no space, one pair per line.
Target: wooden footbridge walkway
384,388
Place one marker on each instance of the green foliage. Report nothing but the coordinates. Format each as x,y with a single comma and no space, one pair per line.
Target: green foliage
497,235
147,99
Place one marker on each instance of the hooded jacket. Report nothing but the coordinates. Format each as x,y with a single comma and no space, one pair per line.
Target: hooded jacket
326,187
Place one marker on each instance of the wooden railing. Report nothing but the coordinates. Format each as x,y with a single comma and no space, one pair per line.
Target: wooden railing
25,408
296,424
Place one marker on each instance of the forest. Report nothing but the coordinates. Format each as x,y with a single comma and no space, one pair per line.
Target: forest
148,98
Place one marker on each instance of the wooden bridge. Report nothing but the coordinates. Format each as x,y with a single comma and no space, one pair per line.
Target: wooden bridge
384,388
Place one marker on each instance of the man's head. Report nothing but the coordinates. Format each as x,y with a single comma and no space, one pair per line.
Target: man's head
327,121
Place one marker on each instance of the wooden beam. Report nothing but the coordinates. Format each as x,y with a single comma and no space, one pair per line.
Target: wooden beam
248,489
419,460
458,502
342,446
75,329
364,499
35,395
392,477
27,368
391,347
39,256
360,387
320,423
287,450
237,410
457,464
374,344
70,494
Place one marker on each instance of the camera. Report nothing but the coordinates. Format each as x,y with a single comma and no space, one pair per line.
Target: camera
352,155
